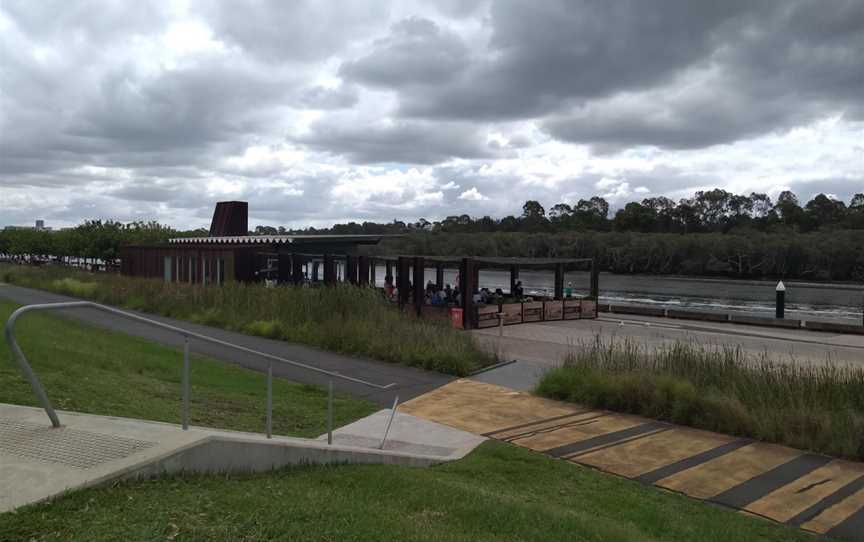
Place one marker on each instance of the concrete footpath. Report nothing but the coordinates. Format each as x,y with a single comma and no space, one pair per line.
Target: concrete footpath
39,462
409,381
811,491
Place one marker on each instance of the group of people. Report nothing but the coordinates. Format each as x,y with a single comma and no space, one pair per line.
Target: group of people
449,295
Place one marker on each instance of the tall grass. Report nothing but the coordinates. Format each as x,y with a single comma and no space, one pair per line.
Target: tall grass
341,318
813,407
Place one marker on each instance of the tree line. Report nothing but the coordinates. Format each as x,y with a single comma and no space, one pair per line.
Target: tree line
92,240
738,236
712,211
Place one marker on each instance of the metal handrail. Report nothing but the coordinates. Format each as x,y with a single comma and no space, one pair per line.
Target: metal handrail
39,390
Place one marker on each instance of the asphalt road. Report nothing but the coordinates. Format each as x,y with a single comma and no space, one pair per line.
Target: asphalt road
409,382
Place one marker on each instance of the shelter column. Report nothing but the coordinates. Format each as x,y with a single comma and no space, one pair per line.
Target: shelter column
466,289
363,270
285,268
329,269
351,269
315,268
514,277
419,284
439,276
403,280
297,268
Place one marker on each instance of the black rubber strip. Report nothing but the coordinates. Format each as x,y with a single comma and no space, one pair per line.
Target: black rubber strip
551,428
829,501
690,462
757,487
602,440
851,528
520,426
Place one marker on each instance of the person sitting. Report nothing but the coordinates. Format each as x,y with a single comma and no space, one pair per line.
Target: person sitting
430,287
448,292
568,291
517,291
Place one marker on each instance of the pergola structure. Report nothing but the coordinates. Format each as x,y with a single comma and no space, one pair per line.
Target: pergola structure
410,277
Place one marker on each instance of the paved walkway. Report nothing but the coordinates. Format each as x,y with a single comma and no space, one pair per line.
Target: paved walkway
817,493
409,381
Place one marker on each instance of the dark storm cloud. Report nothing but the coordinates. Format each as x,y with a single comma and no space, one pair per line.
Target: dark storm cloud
417,52
102,112
303,30
409,142
702,72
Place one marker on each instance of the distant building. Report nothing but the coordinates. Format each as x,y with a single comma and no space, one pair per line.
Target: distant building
40,225
229,253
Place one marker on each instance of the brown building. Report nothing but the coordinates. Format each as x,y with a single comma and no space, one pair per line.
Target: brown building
228,253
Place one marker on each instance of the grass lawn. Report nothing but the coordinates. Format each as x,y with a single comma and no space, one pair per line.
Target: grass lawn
499,492
100,372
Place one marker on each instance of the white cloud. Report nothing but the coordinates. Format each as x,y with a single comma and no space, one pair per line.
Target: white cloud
472,194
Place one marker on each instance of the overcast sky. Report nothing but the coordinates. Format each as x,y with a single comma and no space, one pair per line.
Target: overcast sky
319,112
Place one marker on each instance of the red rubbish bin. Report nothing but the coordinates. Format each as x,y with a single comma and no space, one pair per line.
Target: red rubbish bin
456,318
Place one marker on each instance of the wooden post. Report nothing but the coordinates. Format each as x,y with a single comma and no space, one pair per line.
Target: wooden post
297,264
514,277
373,280
363,270
466,289
439,276
559,281
403,279
388,265
315,267
419,284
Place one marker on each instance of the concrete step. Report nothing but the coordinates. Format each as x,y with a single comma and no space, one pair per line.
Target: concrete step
38,462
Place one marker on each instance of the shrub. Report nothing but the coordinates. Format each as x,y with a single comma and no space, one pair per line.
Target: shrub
340,318
814,407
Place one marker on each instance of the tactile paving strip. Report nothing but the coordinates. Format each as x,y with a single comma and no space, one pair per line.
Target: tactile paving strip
72,447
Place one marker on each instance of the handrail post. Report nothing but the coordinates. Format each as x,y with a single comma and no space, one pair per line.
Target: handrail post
185,383
270,400
24,365
389,422
330,413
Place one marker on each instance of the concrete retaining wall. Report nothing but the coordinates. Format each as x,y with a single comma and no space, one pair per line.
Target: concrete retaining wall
698,315
766,321
226,454
834,328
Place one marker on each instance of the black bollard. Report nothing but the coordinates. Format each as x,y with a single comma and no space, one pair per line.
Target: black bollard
781,299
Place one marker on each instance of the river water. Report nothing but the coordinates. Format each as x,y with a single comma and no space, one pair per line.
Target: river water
806,301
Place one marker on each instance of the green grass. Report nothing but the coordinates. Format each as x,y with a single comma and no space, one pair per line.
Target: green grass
100,372
499,492
812,407
341,318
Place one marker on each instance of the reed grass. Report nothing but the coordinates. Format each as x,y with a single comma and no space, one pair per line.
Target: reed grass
817,407
339,318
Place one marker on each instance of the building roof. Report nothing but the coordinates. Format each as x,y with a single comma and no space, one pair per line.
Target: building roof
277,239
